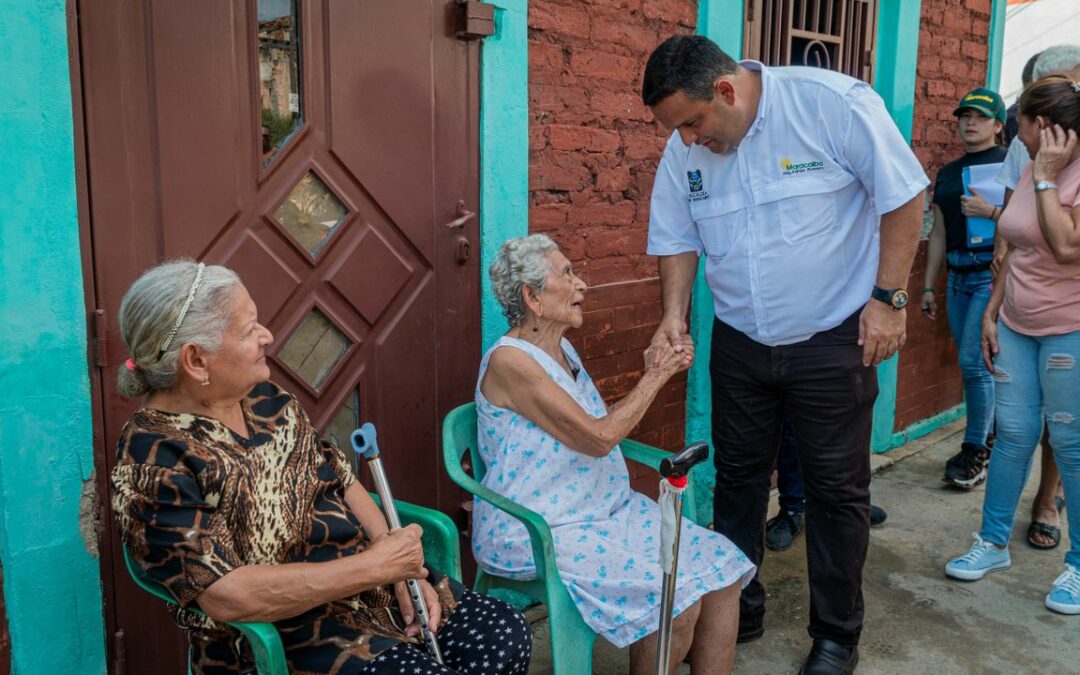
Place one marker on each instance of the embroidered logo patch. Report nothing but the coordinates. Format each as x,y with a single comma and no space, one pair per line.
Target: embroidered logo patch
697,185
790,168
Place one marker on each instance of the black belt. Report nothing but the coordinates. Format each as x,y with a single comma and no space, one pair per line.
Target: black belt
968,269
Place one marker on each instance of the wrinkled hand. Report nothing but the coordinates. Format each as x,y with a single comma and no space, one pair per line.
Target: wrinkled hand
989,341
976,205
408,612
661,357
1055,150
400,553
882,331
929,305
673,331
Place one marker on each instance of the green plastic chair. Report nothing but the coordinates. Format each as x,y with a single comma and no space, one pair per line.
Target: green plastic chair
571,638
442,550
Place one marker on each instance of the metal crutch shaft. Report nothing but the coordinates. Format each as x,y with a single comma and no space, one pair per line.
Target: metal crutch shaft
365,444
674,470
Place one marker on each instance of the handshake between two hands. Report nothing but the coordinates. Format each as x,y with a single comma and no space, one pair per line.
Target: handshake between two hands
671,350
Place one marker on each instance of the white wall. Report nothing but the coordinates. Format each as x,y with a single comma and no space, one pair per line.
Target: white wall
1031,27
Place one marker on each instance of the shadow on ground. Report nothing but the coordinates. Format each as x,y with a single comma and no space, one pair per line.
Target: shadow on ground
917,621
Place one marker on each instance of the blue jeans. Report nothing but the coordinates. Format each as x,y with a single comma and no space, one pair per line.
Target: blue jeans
968,294
1038,379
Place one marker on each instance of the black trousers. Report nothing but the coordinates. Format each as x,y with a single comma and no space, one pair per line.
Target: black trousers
829,396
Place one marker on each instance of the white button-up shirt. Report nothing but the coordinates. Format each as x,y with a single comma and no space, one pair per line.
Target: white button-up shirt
789,220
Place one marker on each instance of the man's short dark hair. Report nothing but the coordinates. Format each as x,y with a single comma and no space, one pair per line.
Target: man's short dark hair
686,63
1028,73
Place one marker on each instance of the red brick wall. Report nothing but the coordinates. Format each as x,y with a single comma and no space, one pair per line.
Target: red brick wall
952,60
593,150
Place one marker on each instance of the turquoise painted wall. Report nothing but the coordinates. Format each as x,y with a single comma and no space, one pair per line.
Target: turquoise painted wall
51,581
504,148
996,43
722,22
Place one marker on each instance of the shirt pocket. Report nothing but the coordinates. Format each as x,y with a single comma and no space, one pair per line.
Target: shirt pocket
805,208
718,220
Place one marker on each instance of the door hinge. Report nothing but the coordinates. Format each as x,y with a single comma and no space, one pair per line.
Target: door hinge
475,20
97,341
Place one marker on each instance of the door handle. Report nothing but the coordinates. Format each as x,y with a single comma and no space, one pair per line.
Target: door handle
463,216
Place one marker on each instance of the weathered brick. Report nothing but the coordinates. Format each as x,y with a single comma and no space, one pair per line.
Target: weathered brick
544,58
593,63
633,35
566,19
620,105
613,180
567,137
545,217
604,213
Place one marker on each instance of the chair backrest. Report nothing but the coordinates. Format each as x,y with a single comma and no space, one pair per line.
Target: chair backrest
459,437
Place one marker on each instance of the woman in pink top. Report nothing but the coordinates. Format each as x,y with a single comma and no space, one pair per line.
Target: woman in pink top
1031,334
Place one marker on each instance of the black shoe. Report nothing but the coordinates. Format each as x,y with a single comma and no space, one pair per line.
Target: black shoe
830,658
877,515
750,630
780,532
967,468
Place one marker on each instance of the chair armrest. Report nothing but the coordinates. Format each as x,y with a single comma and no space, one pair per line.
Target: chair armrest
265,645
651,457
442,548
543,547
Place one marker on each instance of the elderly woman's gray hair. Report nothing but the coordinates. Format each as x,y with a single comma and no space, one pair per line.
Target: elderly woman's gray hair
522,261
148,317
1056,60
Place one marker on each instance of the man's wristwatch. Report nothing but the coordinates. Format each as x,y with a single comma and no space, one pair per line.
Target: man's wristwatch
896,298
1045,185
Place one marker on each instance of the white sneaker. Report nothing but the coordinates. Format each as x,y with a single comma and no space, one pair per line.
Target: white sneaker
982,558
1064,595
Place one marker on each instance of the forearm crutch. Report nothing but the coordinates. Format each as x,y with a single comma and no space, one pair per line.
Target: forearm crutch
365,443
672,486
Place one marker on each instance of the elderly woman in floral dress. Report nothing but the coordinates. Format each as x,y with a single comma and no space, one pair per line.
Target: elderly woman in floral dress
551,444
225,494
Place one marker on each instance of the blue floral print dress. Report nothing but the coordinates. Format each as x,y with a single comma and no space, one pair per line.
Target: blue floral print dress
607,536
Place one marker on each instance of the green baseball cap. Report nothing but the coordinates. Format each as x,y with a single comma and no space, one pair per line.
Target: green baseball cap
986,101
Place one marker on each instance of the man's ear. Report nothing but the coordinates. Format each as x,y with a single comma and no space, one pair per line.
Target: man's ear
724,89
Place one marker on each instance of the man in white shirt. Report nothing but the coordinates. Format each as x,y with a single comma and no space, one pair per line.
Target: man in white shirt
806,201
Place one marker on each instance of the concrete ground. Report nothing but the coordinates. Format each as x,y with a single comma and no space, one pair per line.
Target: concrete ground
917,621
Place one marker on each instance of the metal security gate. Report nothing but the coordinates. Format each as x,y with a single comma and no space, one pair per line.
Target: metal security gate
833,34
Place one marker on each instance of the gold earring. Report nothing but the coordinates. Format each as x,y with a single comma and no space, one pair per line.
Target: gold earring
206,380
536,318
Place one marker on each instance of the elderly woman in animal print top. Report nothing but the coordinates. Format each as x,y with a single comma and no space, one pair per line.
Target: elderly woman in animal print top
225,494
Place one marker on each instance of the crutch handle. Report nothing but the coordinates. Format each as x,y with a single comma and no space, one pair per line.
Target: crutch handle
365,441
680,465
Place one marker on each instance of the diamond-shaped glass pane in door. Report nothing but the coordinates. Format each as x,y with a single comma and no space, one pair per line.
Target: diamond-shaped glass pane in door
315,348
310,213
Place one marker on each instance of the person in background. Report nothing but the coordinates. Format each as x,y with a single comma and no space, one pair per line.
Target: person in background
980,116
1044,532
1031,334
1026,78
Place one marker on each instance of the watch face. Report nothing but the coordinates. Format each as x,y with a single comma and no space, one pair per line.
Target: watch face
899,299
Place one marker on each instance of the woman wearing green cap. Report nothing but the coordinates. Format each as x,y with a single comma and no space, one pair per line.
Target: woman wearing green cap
958,211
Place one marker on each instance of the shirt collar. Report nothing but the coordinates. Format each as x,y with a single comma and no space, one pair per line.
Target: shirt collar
766,91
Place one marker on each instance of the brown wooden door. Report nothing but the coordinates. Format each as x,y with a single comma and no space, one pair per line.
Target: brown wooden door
319,149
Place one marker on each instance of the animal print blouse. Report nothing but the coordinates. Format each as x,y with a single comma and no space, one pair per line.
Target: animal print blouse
194,500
